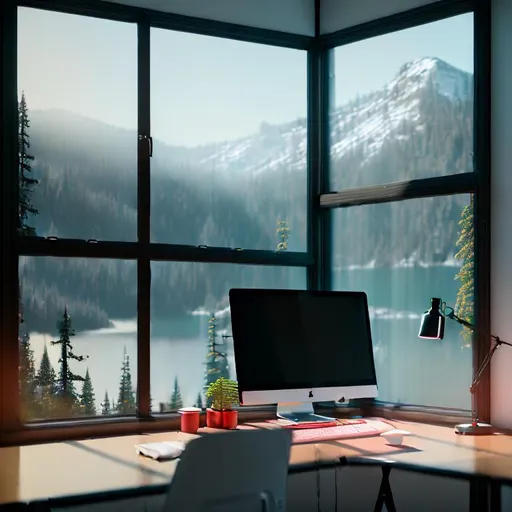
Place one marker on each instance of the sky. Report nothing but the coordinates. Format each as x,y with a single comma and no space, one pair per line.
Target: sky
204,89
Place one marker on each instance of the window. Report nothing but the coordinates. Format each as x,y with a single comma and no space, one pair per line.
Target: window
196,314
90,304
228,170
78,123
229,128
402,254
401,109
403,105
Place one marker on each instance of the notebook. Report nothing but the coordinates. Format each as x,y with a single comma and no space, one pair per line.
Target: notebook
161,451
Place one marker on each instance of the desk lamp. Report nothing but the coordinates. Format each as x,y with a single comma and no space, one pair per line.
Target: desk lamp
432,327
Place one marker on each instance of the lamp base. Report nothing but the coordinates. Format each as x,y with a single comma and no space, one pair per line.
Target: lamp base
474,429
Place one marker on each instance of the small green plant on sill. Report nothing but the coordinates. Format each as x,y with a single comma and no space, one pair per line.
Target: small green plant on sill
224,394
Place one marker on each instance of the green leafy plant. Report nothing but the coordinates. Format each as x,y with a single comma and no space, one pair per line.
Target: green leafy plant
223,393
465,304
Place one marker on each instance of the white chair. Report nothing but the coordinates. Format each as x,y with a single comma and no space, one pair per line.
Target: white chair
237,471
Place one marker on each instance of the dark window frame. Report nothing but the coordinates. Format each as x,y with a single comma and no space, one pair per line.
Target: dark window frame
477,182
317,258
143,250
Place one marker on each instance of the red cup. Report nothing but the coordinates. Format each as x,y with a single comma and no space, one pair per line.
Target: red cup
190,419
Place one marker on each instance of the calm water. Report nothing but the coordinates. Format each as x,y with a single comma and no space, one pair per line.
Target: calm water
409,370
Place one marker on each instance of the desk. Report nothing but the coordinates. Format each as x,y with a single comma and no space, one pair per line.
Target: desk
109,468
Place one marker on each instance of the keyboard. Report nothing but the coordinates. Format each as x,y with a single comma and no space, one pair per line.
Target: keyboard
312,435
312,424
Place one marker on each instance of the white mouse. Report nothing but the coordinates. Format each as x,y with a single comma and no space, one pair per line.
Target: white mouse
395,436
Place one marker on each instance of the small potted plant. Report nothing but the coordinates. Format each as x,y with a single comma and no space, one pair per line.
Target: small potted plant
223,394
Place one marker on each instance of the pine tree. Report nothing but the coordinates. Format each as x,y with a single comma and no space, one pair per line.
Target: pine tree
26,182
216,361
65,388
283,233
105,405
27,375
176,399
26,370
464,304
199,401
46,374
87,398
126,399
45,386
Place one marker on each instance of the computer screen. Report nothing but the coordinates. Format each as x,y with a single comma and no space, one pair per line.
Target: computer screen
293,339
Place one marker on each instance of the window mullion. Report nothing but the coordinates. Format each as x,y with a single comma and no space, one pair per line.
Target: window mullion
327,103
10,412
313,165
143,222
482,224
318,166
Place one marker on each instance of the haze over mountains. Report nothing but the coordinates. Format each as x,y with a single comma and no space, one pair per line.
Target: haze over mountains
233,194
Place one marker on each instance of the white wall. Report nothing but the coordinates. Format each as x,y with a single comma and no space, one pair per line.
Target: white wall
293,16
501,210
338,14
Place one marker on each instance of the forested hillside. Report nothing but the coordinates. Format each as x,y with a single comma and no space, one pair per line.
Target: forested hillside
234,194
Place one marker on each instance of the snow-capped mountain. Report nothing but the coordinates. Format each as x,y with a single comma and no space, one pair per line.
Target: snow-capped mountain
367,121
363,124
379,116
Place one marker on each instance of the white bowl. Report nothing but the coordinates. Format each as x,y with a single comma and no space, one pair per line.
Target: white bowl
395,437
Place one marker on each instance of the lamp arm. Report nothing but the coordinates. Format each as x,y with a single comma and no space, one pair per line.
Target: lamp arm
486,361
481,370
488,357
469,325
461,321
499,341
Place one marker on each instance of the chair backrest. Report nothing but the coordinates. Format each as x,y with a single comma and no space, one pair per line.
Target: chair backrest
240,470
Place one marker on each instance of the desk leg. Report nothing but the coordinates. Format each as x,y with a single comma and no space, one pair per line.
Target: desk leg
495,496
479,495
385,496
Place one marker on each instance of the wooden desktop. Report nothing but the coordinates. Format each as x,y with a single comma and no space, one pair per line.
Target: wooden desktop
100,469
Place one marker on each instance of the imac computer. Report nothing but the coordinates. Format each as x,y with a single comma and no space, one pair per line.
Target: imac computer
295,347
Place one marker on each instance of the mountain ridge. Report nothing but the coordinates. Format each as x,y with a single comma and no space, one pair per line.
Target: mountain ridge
233,195
450,81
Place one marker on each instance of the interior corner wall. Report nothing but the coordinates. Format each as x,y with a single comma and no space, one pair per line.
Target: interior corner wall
501,210
339,14
292,16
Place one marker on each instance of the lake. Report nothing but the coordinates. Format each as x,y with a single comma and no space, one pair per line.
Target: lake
409,370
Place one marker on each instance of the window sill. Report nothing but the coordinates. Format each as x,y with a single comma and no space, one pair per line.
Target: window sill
72,430
441,416
68,430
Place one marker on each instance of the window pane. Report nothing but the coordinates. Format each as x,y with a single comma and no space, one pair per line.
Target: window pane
78,126
229,123
184,324
403,105
95,299
402,254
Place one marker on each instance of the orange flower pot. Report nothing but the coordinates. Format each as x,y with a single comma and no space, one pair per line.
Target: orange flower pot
221,419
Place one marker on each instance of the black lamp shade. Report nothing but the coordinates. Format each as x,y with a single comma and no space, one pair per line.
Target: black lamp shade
432,322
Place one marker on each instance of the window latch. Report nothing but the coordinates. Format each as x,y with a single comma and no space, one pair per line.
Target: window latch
150,142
